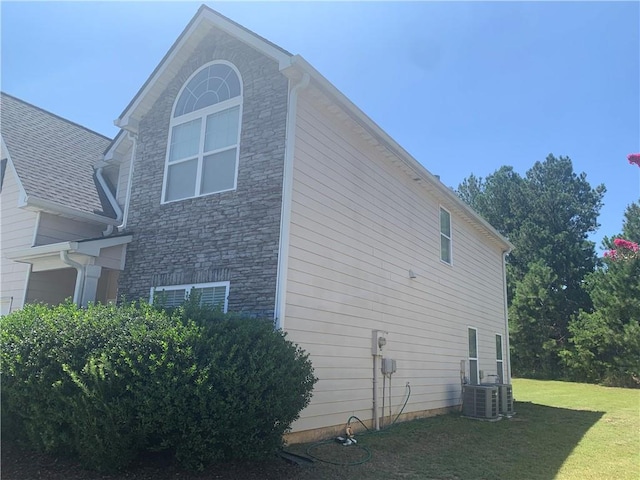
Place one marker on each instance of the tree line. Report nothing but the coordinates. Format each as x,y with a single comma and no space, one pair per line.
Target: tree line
572,315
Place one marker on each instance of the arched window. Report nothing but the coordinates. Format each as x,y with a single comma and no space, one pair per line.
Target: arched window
202,155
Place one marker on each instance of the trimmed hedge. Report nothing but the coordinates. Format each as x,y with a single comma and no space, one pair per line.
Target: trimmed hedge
107,382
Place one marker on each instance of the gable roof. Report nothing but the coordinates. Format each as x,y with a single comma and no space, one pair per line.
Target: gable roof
293,66
194,32
53,158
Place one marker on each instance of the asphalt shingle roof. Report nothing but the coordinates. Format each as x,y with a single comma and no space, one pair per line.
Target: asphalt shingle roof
53,157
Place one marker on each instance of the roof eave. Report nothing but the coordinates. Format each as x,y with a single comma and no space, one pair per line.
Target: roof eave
90,248
411,163
42,204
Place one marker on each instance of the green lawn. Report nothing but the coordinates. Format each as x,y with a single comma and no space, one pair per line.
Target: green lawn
560,431
610,448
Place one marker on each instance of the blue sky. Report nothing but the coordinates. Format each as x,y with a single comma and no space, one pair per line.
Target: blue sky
465,87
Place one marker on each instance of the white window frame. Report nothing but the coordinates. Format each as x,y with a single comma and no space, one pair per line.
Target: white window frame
471,358
500,359
202,114
187,288
443,235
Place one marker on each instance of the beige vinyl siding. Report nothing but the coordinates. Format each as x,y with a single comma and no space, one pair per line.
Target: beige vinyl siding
358,224
51,287
54,229
107,290
16,227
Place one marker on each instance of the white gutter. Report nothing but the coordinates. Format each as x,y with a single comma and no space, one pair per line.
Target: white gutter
287,191
91,248
134,139
411,163
77,293
111,198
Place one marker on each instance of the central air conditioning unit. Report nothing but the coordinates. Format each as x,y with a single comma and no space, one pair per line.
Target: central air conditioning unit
480,401
505,399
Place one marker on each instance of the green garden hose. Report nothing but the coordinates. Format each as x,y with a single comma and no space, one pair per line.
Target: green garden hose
367,453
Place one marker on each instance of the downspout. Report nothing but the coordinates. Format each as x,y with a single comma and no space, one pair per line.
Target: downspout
506,315
121,216
77,294
285,213
111,198
134,139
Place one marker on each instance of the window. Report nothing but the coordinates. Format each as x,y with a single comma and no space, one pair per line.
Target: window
473,356
445,236
499,362
202,154
213,294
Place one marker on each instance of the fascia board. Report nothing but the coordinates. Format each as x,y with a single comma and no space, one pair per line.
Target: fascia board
377,132
33,253
93,247
205,16
40,204
90,248
114,150
247,37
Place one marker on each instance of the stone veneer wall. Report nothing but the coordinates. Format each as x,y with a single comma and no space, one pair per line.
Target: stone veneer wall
232,235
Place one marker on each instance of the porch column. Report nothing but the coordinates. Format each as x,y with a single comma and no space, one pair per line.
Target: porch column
91,276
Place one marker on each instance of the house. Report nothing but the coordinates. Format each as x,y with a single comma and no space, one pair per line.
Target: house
54,211
240,171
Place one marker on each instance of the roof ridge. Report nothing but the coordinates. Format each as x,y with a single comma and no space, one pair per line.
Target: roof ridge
203,8
246,29
66,120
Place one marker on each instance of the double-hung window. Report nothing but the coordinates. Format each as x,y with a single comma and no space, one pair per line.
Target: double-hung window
499,361
202,154
211,294
473,356
445,236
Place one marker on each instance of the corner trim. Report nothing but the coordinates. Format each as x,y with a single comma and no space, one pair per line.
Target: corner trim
285,212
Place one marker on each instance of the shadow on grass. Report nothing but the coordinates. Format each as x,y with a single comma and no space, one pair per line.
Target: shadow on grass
531,445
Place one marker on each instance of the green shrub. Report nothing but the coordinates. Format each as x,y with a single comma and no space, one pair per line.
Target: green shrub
106,382
72,377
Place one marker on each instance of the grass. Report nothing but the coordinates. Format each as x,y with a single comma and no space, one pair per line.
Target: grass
610,449
564,431
561,431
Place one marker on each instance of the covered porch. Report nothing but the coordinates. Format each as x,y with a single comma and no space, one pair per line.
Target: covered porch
84,270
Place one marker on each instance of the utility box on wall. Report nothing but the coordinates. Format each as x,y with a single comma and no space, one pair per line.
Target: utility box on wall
388,366
378,341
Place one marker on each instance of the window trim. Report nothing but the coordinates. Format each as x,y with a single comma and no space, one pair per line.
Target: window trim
203,114
476,358
442,234
188,286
